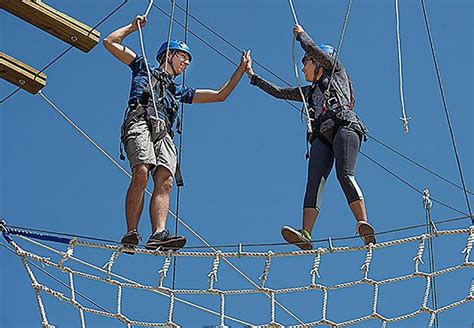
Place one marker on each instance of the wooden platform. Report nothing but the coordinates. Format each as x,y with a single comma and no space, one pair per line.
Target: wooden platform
20,74
54,22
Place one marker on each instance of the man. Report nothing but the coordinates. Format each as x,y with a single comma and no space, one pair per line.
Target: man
337,134
147,129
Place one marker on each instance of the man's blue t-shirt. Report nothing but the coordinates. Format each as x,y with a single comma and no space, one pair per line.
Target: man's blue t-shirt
140,81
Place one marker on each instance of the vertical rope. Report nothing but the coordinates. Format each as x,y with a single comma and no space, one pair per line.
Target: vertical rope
470,240
368,259
419,254
315,269
446,112
168,39
325,303
215,266
180,147
222,308
295,67
272,314
339,46
376,298
427,293
119,299
171,309
266,269
428,204
400,74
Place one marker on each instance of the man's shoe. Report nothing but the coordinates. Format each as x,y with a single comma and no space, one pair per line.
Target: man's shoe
366,233
130,240
164,241
300,238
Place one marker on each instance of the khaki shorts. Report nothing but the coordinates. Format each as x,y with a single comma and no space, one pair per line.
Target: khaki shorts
141,149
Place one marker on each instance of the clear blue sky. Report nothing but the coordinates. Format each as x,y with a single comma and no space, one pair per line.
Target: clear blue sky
243,160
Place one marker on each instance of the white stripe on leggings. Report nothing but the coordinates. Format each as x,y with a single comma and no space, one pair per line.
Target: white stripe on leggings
356,186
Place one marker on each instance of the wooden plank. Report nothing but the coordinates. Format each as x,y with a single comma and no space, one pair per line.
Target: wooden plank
20,74
54,22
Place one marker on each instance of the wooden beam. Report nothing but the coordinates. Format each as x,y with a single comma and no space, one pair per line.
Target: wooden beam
54,22
20,74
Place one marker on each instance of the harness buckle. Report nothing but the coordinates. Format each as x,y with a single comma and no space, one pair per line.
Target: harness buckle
332,102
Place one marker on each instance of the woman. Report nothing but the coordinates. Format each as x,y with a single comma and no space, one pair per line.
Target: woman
337,134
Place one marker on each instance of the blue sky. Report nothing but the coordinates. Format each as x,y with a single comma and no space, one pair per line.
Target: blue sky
243,160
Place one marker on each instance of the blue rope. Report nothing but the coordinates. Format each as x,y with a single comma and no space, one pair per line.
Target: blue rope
39,236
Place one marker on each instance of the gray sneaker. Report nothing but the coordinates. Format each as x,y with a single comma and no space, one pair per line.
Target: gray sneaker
165,241
300,238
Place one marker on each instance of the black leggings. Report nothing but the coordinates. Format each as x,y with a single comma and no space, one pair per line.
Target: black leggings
345,151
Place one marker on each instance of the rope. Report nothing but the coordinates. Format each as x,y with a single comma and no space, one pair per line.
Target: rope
168,38
180,146
70,287
400,74
416,163
142,48
429,230
445,105
127,282
67,50
297,76
25,231
410,185
267,291
339,46
427,203
149,194
284,81
210,46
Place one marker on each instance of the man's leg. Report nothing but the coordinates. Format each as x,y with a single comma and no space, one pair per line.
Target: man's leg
135,193
160,200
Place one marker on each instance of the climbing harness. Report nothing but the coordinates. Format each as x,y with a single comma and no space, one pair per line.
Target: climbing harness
160,92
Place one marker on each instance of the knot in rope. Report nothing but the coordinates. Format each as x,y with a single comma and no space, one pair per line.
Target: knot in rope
368,259
164,270
268,261
215,266
470,240
110,263
69,252
427,203
419,254
315,270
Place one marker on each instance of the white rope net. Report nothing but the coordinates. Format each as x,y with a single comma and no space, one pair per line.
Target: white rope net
66,263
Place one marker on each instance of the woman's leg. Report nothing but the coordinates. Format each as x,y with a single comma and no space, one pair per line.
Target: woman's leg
319,166
346,152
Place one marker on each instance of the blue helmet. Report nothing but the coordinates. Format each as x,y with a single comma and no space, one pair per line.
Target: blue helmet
326,48
174,45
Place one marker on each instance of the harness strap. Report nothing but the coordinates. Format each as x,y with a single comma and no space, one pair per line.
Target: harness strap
178,176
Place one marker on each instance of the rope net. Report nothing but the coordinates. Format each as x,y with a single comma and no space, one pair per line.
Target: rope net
68,264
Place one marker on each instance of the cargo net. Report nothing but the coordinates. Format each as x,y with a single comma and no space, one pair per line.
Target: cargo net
65,261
